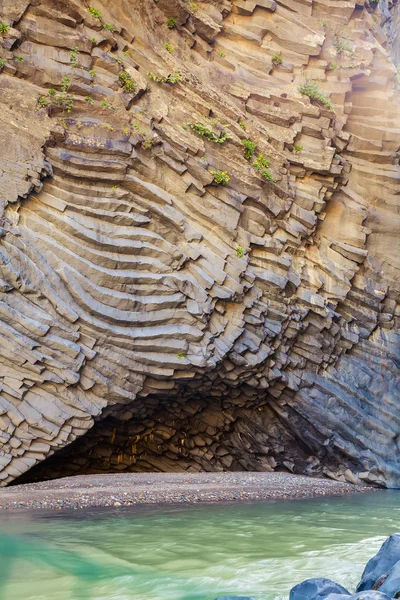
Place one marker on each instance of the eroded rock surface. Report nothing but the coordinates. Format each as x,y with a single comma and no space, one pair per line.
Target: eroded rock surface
151,319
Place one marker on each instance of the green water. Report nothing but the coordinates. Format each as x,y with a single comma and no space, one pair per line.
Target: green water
192,553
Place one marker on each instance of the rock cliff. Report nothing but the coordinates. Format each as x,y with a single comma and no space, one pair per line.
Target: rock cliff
199,253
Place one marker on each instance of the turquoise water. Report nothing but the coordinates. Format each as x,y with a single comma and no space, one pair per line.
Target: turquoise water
194,552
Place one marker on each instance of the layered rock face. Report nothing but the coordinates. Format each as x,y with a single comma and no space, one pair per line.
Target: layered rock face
199,253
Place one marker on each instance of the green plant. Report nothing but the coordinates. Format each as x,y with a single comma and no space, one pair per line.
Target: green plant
92,72
89,100
249,148
171,22
312,90
73,56
277,59
333,66
220,177
192,5
127,83
342,45
108,126
42,102
169,47
93,39
2,63
242,125
203,159
240,252
126,53
62,99
297,148
180,355
204,131
95,13
19,58
4,28
148,141
65,84
108,27
221,54
172,78
105,104
65,101
261,164
324,23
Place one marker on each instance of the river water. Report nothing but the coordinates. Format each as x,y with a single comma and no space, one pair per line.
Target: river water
193,552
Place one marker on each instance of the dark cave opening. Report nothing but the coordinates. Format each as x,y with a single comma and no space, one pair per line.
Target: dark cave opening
183,432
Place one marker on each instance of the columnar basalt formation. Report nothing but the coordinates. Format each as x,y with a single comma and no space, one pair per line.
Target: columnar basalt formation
199,254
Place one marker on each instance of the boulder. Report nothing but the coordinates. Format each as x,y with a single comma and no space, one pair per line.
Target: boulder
381,563
367,595
389,583
317,588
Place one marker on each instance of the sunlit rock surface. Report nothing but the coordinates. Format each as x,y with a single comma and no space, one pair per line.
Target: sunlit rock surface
151,319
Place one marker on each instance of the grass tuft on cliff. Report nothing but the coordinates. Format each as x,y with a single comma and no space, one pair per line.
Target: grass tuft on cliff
313,91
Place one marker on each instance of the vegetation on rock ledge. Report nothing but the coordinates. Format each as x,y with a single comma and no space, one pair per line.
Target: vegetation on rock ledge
220,177
312,90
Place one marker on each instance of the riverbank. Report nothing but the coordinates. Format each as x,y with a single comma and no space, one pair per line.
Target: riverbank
126,489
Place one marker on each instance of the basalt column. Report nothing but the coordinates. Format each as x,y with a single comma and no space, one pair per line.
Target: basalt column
199,237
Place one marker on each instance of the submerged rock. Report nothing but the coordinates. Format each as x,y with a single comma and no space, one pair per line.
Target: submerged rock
380,565
317,588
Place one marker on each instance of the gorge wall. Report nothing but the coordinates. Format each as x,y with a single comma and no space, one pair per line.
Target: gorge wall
199,253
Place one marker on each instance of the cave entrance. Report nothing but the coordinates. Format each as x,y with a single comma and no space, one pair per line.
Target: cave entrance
182,432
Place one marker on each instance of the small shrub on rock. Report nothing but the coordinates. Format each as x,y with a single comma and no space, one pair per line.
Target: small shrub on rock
73,56
277,59
261,165
172,78
171,22
127,83
206,132
4,28
312,90
95,13
249,148
220,177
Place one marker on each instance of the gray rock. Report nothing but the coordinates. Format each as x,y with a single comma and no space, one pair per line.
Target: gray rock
381,563
317,588
389,583
367,595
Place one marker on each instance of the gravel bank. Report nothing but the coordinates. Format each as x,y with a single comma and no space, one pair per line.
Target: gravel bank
126,489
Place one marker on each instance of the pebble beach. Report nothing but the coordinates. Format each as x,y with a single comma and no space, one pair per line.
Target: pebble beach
127,489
